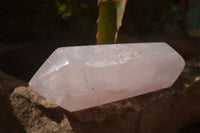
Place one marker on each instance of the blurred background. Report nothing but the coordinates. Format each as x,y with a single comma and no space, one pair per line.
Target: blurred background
59,19
31,30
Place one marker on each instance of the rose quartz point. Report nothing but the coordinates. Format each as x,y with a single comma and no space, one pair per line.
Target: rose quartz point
81,77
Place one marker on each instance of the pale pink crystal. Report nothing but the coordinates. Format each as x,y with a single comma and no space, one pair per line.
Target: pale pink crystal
81,77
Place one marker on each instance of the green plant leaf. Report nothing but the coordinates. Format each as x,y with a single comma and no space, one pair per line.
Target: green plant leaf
110,18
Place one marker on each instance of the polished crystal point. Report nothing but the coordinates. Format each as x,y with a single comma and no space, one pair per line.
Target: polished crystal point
81,77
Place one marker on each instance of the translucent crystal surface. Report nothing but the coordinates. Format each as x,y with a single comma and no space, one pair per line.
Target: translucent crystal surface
81,77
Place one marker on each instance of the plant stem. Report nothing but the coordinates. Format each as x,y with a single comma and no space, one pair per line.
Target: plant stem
110,17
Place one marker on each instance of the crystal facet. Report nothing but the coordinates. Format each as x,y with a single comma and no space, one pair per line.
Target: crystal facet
81,77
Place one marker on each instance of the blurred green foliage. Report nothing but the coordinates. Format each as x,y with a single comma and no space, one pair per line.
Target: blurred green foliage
153,16
46,18
22,19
